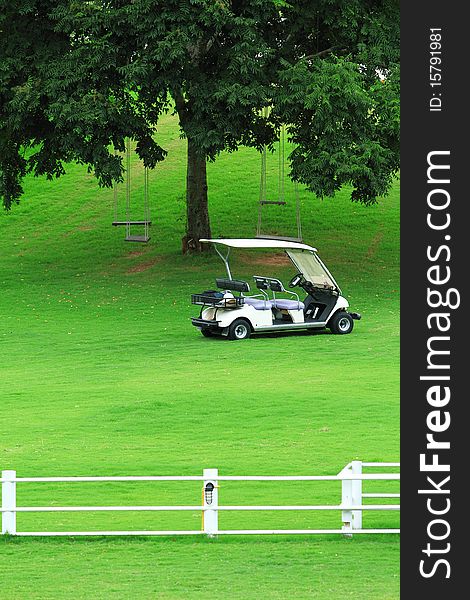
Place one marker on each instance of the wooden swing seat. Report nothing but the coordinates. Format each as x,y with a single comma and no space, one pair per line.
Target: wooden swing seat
137,238
119,223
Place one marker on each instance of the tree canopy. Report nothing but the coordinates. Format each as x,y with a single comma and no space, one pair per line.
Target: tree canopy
77,78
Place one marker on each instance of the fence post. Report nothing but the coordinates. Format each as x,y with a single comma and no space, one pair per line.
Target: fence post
346,501
9,502
356,494
211,502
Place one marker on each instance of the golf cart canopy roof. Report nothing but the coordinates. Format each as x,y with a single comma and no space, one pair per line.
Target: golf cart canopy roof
259,243
303,256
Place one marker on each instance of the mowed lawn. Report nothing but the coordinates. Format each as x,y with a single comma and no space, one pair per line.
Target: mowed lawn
103,374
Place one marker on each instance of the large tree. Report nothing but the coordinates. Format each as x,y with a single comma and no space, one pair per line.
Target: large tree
77,78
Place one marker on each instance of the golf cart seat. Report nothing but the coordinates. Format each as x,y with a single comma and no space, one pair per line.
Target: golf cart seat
284,304
274,285
258,304
238,285
234,285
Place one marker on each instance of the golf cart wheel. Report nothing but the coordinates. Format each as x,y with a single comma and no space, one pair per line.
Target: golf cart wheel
240,329
206,332
341,323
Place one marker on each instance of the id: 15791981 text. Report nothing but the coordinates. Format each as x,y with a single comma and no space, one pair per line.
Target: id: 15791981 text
435,69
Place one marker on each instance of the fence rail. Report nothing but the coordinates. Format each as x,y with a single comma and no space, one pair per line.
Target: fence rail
351,506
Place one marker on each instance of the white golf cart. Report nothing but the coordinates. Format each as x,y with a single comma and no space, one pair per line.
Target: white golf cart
234,312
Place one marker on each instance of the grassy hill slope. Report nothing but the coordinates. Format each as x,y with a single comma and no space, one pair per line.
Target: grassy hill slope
103,374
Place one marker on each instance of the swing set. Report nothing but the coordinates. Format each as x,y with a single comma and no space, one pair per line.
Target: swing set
264,200
129,223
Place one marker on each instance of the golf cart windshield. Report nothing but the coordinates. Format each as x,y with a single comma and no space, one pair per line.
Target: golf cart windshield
312,268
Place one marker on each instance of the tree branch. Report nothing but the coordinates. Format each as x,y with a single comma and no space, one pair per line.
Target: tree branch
321,53
180,104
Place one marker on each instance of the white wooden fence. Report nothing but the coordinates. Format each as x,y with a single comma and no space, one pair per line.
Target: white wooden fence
352,506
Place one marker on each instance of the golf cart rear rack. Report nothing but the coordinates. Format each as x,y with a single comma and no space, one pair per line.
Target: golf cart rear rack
208,299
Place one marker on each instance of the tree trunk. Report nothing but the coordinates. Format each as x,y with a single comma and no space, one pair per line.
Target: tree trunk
197,210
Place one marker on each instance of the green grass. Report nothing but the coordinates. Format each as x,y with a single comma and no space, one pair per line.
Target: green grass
103,374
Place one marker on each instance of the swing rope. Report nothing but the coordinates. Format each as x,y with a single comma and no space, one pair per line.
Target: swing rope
281,188
262,190
146,202
115,194
282,146
297,212
128,188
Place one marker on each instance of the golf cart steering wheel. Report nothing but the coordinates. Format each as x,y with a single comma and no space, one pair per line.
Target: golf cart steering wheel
296,280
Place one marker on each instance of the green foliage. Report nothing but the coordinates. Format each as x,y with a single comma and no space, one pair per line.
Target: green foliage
76,78
345,131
